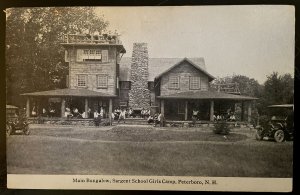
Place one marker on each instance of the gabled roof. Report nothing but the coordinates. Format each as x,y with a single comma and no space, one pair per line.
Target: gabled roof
190,62
156,66
69,92
206,95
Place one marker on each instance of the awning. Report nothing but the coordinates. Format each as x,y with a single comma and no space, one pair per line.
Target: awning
69,92
211,95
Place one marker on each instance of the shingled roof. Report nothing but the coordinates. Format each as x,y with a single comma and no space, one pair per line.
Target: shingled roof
69,92
156,66
206,95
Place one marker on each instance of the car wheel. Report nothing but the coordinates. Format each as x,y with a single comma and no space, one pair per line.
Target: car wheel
26,130
8,129
258,134
279,136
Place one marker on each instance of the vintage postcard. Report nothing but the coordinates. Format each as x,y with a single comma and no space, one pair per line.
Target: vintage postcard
197,98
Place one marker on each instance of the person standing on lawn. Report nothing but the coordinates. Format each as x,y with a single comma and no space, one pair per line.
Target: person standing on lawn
122,115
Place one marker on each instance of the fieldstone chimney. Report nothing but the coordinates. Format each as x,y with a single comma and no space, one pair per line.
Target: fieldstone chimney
139,95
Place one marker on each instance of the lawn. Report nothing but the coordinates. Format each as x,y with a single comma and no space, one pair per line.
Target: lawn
48,152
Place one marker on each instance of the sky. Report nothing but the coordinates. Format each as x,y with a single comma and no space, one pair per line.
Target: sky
248,40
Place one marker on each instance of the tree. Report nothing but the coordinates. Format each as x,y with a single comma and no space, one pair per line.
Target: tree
278,89
34,56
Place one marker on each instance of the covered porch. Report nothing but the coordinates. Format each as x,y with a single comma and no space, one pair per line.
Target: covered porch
209,104
55,104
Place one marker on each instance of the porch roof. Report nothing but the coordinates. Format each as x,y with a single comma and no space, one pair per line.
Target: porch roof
69,92
206,95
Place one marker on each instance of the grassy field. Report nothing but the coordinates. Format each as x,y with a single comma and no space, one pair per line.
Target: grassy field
64,151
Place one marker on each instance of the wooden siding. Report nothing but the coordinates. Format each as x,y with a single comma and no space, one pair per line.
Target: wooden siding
184,71
92,69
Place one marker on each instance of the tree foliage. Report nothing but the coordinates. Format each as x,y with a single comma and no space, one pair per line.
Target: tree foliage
34,56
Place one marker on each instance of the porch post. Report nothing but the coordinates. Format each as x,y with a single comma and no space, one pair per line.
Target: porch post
211,116
186,110
28,107
110,111
63,107
162,107
249,112
86,105
242,111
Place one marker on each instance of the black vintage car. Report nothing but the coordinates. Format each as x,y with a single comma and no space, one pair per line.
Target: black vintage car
280,124
15,121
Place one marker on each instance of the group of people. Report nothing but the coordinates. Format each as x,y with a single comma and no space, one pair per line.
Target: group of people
89,114
157,119
121,114
230,116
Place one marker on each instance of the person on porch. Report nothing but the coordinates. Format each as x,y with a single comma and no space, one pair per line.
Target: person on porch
195,115
44,112
68,113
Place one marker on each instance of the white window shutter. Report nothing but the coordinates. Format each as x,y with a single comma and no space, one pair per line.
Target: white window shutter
104,55
79,55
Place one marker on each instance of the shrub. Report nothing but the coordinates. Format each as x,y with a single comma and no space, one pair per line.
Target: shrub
222,128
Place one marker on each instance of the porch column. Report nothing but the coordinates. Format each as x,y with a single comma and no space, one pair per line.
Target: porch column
110,111
211,114
242,111
86,105
162,107
63,107
186,110
249,112
28,107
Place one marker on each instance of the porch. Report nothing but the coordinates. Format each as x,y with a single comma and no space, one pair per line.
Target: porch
54,105
208,104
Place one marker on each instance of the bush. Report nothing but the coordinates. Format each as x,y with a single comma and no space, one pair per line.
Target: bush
222,128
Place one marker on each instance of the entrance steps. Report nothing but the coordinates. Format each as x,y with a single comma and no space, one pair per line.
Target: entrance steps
132,121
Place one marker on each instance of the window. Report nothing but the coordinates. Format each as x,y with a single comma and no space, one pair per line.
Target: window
194,82
102,81
81,80
124,84
91,55
174,82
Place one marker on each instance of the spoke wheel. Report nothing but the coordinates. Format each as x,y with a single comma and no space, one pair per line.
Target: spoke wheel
26,130
258,134
8,129
279,136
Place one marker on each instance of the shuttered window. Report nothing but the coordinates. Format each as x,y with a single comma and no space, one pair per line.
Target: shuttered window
81,80
194,82
173,82
102,81
104,55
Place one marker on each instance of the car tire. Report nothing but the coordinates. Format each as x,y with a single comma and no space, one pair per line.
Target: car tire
8,130
258,135
26,130
279,135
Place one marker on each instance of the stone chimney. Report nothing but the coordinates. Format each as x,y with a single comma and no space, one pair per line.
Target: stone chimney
139,95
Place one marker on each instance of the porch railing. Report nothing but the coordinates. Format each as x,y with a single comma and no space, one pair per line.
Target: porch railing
95,39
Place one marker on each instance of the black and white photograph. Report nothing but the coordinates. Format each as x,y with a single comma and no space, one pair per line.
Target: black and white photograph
162,98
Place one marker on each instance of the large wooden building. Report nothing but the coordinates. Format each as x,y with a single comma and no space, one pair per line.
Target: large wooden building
100,78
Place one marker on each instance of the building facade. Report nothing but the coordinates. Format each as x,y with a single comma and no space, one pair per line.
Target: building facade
101,79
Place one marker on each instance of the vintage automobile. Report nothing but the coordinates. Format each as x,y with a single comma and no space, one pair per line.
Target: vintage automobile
280,125
15,121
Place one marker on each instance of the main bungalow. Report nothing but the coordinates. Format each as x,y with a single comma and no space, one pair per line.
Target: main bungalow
100,78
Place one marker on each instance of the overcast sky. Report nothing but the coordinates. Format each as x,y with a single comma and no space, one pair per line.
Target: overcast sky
249,40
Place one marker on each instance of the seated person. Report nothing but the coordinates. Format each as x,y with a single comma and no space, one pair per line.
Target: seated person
130,112
44,112
155,118
52,112
68,113
150,119
232,118
147,113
